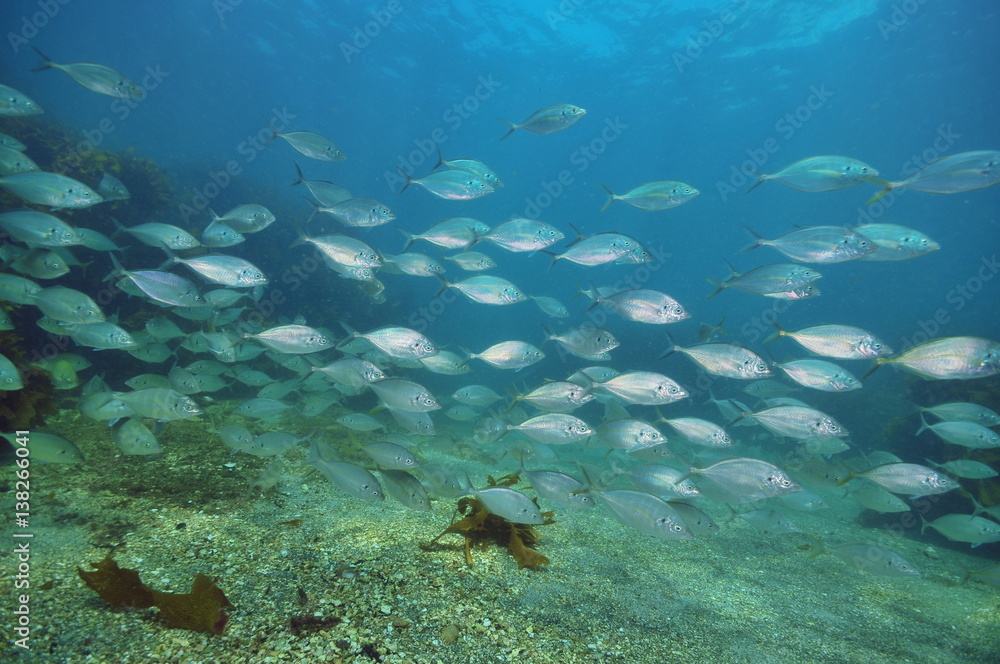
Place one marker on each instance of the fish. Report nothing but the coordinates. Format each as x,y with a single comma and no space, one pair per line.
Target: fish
236,437
895,242
96,78
264,409
327,193
46,447
157,285
781,280
550,306
486,289
112,189
642,305
629,435
15,103
101,335
820,375
454,233
360,422
418,265
584,341
17,289
964,528
817,244
134,438
446,362
406,489
452,185
96,240
662,481
645,513
344,250
844,342
878,499
247,218
965,468
443,481
949,358
964,412
769,522
6,140
953,174
40,263
508,503
353,371
476,395
67,305
230,271
556,396
660,195
292,339
728,360
477,168
558,488
398,342
352,480
554,429
599,249
217,234
155,234
798,422
402,394
822,173
870,558
746,480
51,189
642,387
160,403
10,376
967,434
523,235
311,144
909,479
548,120
268,478
13,161
473,261
390,456
358,213
699,431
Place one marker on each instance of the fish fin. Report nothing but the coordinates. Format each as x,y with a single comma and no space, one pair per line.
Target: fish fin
761,178
778,333
719,287
440,161
445,285
46,61
923,425
554,256
548,335
302,178
671,348
579,235
887,188
878,363
513,128
274,131
923,523
116,269
352,334
409,238
758,241
611,198
172,258
409,180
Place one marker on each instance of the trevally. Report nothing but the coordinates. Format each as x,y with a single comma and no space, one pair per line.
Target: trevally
96,78
16,103
548,120
56,191
660,195
451,185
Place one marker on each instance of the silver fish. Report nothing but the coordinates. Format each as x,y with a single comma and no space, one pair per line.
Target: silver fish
264,409
418,265
158,235
134,438
645,513
158,285
548,120
949,358
629,435
662,481
16,103
895,243
268,478
67,305
554,429
728,360
446,362
6,140
397,342
769,522
964,412
909,479
523,235
13,161
844,342
218,234
486,289
51,189
475,395
660,195
112,189
878,499
473,261
699,431
236,437
514,355
247,218
102,335
96,240
46,447
798,422
390,456
360,422
223,270
312,145
822,173
966,468
40,263
967,434
966,171
871,558
454,233
599,249
359,212
642,305
406,489
272,443
558,488
344,250
10,377
745,479
642,387
556,396
160,403
820,375
96,78
350,479
964,528
17,289
769,280
293,339
477,168
451,185
327,193
403,394
509,504
352,371
584,341
818,244
550,306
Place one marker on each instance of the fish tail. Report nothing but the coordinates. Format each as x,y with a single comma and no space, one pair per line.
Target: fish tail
513,128
445,285
406,175
469,355
548,334
440,161
300,234
301,179
119,229
878,363
274,131
758,241
171,257
116,267
46,61
760,179
611,198
887,187
820,547
352,334
923,523
409,237
553,256
719,287
593,294
778,332
671,348
923,425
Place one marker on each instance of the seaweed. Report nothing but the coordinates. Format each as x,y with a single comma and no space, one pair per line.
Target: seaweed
21,409
480,527
201,610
